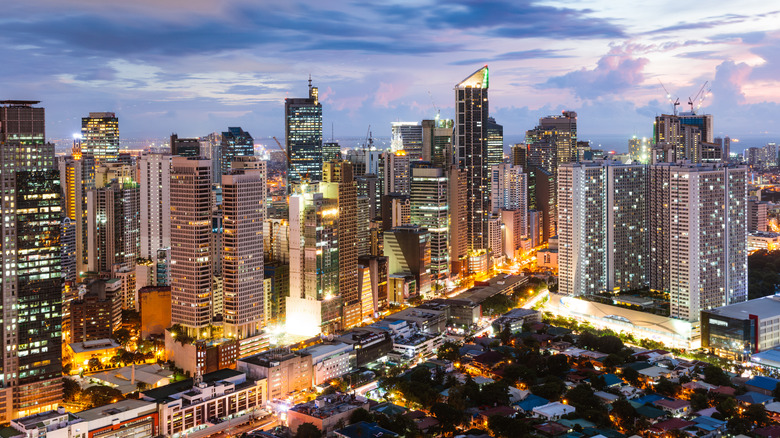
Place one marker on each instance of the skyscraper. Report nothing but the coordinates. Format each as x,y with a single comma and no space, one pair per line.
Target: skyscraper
437,142
191,253
471,103
100,133
77,177
243,206
394,172
30,201
602,227
235,143
408,137
639,149
185,147
698,242
303,135
155,199
114,226
509,192
430,209
495,141
553,141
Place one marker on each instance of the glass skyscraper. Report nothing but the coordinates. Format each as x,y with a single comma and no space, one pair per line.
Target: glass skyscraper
235,143
303,134
100,132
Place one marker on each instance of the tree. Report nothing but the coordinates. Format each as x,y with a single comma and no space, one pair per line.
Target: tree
94,363
715,376
666,387
70,389
728,407
756,414
67,368
624,415
699,401
449,351
101,395
630,375
308,430
360,415
448,416
122,336
776,392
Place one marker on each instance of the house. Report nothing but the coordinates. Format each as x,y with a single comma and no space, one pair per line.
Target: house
551,429
674,407
752,398
768,432
762,384
501,411
629,392
552,411
670,424
530,402
654,373
725,390
648,412
709,425
364,429
606,397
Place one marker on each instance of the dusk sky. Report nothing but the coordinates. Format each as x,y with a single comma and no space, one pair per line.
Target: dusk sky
197,66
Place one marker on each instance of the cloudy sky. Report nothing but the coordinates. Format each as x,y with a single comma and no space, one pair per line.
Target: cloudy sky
196,66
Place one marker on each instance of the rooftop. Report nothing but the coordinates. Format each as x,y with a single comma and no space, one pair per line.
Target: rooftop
766,383
94,345
363,429
115,408
330,405
31,421
764,307
163,392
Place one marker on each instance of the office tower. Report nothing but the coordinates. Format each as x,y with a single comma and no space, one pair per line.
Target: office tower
602,227
724,145
155,198
339,184
303,136
456,204
30,204
235,143
437,142
757,215
211,148
314,304
185,147
495,142
243,206
408,137
363,224
396,211
519,155
365,161
542,198
698,229
331,151
513,232
430,209
378,274
114,226
69,251
495,242
394,172
639,149
77,176
471,103
684,136
191,267
369,186
276,241
408,249
100,136
553,141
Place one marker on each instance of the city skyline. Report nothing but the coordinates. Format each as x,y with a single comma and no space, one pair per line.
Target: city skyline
197,67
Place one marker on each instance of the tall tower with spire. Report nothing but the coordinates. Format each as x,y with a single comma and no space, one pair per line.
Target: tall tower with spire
303,138
471,144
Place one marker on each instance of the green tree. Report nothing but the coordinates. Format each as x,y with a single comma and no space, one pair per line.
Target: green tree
624,415
100,395
122,336
449,351
715,375
449,417
728,407
699,401
308,430
94,363
667,387
630,375
70,389
360,415
756,414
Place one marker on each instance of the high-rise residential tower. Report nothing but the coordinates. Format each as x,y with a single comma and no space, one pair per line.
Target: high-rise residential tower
191,253
698,235
243,207
114,227
437,142
77,177
303,135
471,104
495,141
553,141
602,225
30,251
155,198
100,133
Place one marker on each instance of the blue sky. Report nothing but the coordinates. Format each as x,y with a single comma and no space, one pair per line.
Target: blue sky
196,66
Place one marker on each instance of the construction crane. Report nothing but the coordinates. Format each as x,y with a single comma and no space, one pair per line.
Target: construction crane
675,102
698,96
286,154
434,104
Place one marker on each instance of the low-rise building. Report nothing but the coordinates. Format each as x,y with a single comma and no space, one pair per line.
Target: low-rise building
155,307
325,412
552,411
79,353
123,419
742,328
128,379
460,313
196,404
330,360
515,319
426,320
370,345
417,346
765,240
51,424
286,371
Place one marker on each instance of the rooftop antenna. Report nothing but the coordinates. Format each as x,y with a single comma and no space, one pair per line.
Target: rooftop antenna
309,81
